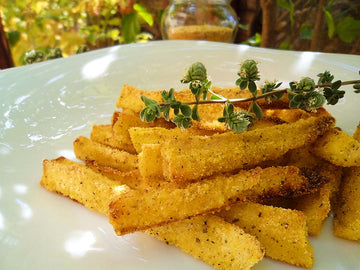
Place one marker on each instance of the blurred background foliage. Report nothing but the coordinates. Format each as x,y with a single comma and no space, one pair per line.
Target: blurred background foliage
70,25
59,28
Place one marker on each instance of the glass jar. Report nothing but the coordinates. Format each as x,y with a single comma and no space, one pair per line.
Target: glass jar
213,20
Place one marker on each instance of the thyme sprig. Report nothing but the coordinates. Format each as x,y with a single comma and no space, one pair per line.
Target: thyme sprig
304,94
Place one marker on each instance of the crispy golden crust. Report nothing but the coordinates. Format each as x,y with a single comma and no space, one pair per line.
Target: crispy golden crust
356,135
153,169
338,148
282,232
347,210
196,157
211,239
86,149
138,211
286,182
103,134
132,178
122,121
80,183
316,206
346,222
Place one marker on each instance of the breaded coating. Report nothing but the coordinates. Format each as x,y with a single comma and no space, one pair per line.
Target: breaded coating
157,135
122,121
316,206
211,239
153,169
191,158
338,148
103,134
346,223
227,245
282,232
80,183
286,182
130,97
287,115
132,178
138,211
86,149
347,210
356,135
293,115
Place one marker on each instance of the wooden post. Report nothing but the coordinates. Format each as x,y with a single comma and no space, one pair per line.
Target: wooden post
316,36
269,8
5,54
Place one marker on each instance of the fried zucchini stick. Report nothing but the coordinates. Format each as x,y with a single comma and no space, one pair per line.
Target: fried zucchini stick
138,211
80,183
135,211
187,159
86,149
122,121
346,223
103,134
211,239
338,148
282,232
316,206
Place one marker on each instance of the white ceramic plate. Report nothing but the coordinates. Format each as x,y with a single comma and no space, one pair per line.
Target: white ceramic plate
45,106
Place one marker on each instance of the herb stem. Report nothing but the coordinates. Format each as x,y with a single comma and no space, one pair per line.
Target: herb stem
342,83
254,98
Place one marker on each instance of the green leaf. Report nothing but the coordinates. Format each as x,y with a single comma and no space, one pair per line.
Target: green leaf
348,29
285,45
114,21
243,85
229,108
243,26
289,6
182,121
293,104
166,112
147,101
356,86
13,37
222,119
298,98
130,26
336,85
257,110
149,117
325,77
195,113
252,87
185,109
142,114
330,23
144,14
164,95
176,107
306,31
255,40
